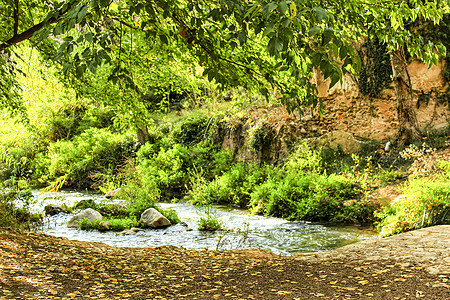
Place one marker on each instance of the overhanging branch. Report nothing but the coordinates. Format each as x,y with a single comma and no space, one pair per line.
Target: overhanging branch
17,38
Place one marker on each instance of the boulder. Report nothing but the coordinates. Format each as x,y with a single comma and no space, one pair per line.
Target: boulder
104,226
112,194
335,139
85,203
130,231
51,210
153,218
90,214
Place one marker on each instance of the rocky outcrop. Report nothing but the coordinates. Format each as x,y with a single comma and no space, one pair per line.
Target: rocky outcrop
104,226
90,214
51,210
85,203
153,218
130,231
267,133
340,140
346,109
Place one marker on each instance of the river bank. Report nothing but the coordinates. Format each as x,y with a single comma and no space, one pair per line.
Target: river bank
407,266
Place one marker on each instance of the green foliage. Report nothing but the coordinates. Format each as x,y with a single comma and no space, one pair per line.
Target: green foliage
170,214
118,211
301,191
86,203
18,159
260,135
297,190
232,187
426,203
193,131
169,167
10,89
439,33
116,224
314,197
15,209
75,162
165,170
139,196
259,46
208,221
376,70
74,118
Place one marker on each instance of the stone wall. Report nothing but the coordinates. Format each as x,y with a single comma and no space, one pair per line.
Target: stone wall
345,108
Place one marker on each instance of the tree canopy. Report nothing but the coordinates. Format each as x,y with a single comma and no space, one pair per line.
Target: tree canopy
263,44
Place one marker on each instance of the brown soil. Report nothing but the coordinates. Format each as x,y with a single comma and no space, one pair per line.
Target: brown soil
37,266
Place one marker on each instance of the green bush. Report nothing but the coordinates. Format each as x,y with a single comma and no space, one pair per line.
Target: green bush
15,217
73,118
208,221
299,190
165,170
233,186
426,203
193,130
170,214
139,197
170,169
74,163
117,224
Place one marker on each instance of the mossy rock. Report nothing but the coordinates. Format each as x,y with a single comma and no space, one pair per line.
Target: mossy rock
86,203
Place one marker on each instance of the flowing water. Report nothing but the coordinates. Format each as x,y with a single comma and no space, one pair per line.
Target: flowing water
274,234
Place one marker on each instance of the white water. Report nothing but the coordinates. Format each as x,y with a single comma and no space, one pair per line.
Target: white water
274,234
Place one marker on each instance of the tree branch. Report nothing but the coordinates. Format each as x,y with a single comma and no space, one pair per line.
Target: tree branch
17,38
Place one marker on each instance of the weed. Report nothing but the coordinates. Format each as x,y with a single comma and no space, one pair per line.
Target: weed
208,220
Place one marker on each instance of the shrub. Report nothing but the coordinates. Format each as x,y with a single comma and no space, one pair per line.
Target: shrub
170,214
232,187
299,190
171,169
193,130
139,197
208,221
75,163
17,217
117,224
426,203
165,170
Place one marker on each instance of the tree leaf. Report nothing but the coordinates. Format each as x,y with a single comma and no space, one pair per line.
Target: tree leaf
313,31
82,13
275,45
242,37
80,70
163,38
283,7
89,37
327,36
321,14
343,52
92,67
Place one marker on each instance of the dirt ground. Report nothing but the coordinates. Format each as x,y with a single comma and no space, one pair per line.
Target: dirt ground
37,266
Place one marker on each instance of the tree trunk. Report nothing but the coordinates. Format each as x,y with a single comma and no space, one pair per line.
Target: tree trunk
142,134
408,130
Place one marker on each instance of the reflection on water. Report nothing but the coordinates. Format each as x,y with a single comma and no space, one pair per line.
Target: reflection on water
274,234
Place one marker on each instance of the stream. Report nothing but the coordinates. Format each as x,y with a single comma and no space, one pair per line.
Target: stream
273,234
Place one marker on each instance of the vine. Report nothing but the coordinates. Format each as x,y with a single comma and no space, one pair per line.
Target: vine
376,71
